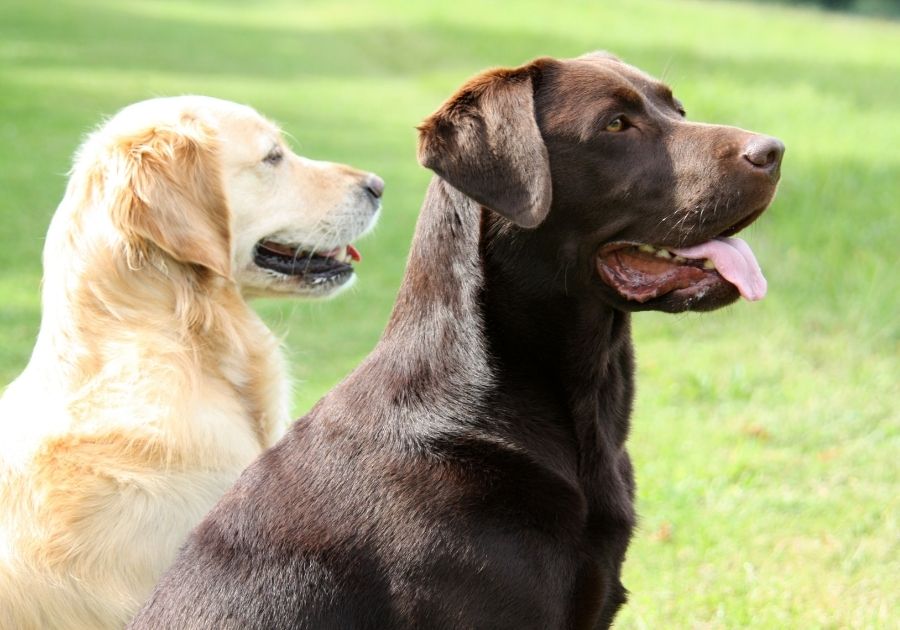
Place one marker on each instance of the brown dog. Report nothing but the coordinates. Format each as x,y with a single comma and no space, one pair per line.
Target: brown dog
472,472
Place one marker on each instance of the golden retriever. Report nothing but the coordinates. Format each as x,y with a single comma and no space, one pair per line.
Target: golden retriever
152,383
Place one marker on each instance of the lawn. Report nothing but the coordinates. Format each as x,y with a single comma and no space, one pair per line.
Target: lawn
766,436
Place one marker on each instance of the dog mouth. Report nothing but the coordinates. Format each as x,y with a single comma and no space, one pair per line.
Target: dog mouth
641,272
312,266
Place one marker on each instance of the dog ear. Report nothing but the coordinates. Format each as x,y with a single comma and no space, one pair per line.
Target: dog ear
170,194
486,143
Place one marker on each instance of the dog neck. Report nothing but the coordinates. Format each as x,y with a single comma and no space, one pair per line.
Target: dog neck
482,322
556,344
433,346
117,336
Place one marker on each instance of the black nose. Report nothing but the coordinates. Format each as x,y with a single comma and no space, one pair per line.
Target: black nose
764,153
374,185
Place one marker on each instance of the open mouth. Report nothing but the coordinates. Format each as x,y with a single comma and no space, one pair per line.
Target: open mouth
641,272
314,267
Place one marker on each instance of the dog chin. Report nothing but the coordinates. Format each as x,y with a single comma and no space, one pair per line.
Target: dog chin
262,284
708,297
713,297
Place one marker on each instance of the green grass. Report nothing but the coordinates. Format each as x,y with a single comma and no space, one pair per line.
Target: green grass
765,435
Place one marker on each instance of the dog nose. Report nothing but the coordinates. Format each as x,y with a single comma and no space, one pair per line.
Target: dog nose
764,153
374,185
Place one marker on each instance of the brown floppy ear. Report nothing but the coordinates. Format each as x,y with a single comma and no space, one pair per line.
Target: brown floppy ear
170,194
486,143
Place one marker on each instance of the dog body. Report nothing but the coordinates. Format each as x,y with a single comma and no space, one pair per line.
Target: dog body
152,383
472,472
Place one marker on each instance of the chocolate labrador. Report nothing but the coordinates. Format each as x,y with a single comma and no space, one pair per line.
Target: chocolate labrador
472,471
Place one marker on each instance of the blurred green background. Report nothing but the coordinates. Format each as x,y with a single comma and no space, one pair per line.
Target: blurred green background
765,435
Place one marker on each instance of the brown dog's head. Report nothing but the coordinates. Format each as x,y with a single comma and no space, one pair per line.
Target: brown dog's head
212,186
622,193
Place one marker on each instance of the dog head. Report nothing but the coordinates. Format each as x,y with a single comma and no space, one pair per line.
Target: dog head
622,195
211,185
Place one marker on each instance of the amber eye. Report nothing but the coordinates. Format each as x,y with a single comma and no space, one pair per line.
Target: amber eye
616,124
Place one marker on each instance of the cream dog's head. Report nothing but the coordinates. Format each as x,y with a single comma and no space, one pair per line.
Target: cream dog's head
212,185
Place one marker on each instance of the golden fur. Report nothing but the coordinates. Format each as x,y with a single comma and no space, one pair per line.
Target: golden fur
152,383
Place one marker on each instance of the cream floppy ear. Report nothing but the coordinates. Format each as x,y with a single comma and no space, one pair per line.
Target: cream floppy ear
171,195
486,143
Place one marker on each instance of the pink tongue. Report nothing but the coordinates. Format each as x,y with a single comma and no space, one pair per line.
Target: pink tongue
734,261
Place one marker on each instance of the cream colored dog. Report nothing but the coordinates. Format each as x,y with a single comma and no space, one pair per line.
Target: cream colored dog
153,384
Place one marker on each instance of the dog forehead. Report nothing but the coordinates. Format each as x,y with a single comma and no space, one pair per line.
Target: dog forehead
243,134
603,73
226,118
580,87
248,129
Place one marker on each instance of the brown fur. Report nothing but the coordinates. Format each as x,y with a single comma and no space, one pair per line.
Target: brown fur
472,125
472,471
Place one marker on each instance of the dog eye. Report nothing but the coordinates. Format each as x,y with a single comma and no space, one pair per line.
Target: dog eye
274,156
617,124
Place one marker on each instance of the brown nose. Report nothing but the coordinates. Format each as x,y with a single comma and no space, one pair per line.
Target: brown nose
764,153
374,185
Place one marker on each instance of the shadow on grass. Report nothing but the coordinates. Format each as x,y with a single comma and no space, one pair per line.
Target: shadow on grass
882,8
115,38
807,221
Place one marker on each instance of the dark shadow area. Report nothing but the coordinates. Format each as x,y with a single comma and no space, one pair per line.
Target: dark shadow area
116,40
881,8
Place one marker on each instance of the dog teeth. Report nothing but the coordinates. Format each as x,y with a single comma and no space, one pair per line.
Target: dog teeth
659,252
662,252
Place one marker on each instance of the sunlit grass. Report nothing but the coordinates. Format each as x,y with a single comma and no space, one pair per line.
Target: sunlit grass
765,435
